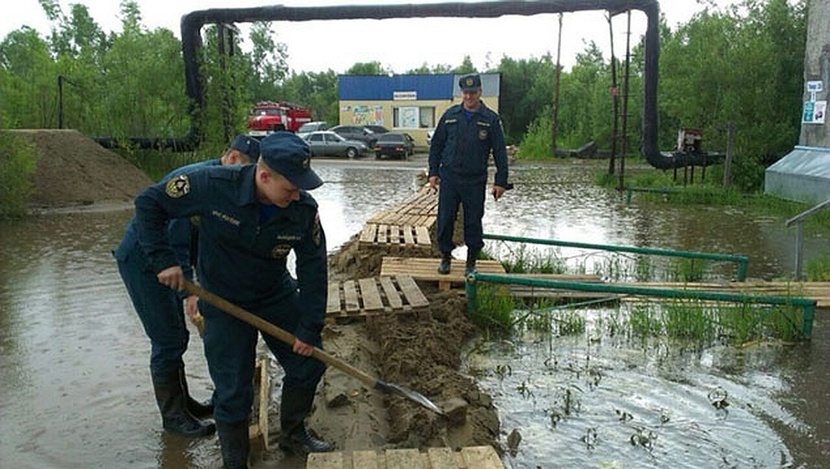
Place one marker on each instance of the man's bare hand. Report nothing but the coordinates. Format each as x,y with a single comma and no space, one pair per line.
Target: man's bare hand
191,307
498,191
172,277
434,181
302,348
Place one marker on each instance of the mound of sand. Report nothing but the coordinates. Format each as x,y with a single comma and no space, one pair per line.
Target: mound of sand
73,169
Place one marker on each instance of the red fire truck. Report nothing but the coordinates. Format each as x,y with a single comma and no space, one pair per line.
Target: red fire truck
267,117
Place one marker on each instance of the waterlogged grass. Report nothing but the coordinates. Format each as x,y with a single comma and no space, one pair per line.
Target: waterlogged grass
494,308
521,259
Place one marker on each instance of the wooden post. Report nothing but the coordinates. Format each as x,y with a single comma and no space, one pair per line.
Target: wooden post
730,153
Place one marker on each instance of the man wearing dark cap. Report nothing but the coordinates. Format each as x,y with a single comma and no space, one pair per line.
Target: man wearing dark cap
160,309
251,218
458,159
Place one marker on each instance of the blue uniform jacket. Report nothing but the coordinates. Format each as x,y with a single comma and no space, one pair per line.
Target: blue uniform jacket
241,257
181,232
460,149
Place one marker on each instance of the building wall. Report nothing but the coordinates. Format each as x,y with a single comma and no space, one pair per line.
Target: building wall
406,103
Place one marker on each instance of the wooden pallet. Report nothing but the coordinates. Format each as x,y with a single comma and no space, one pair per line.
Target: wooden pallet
419,209
475,457
819,291
258,428
426,269
394,236
366,296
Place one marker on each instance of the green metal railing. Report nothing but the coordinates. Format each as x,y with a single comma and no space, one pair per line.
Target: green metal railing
741,261
807,304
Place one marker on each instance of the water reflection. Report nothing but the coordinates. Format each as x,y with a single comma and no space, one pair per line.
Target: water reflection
76,390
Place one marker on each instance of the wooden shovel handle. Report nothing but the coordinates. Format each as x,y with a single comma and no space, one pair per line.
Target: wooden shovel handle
279,333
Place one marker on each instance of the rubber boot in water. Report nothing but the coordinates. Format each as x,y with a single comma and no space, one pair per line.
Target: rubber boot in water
172,403
200,410
235,443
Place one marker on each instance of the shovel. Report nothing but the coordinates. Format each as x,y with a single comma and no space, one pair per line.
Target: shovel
324,357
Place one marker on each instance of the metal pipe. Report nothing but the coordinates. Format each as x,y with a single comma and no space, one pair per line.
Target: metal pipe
807,304
742,261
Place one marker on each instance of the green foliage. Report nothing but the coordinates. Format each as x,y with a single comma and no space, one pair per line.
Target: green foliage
493,309
818,268
17,167
743,64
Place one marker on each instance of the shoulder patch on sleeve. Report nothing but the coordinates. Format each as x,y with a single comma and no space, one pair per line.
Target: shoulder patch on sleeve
177,187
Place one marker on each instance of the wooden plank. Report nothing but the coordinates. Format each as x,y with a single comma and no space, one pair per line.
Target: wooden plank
382,234
333,300
264,400
365,459
441,458
422,235
404,459
367,235
408,235
411,291
481,457
391,293
350,296
426,269
370,294
333,460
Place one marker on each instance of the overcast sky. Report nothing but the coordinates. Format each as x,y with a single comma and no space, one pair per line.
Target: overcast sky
398,44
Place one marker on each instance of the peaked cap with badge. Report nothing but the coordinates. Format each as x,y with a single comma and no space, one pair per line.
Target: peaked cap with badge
286,153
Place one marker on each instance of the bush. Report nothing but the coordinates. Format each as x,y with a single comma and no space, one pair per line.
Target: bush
17,165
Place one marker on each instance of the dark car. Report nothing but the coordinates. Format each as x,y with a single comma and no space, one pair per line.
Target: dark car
327,143
393,144
378,129
356,132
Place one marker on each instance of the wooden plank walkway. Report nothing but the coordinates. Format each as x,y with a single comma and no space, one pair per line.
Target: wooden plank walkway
819,291
358,298
426,269
475,457
395,236
419,209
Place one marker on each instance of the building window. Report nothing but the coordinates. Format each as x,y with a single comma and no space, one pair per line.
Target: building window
413,117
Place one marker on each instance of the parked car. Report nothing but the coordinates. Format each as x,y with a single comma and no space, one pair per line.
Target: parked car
328,143
312,127
356,132
378,129
393,144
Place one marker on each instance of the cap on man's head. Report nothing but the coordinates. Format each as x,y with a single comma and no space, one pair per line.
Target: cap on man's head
289,155
471,82
247,145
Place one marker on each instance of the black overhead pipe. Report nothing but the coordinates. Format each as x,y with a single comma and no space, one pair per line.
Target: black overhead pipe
193,22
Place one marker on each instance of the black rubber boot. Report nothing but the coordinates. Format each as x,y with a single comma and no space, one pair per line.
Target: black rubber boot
235,443
171,400
446,263
470,267
200,410
294,408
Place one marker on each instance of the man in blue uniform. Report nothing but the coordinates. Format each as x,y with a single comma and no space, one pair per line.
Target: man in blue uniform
160,309
251,217
458,159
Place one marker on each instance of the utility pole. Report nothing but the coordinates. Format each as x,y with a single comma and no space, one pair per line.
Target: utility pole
554,118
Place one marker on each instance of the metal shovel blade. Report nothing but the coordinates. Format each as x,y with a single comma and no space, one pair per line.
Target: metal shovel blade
414,396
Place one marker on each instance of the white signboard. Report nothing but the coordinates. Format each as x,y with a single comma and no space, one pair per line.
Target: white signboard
405,96
815,112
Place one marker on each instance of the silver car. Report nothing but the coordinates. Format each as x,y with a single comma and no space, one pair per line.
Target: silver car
328,143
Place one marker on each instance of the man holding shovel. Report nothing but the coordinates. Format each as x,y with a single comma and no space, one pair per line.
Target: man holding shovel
160,309
251,218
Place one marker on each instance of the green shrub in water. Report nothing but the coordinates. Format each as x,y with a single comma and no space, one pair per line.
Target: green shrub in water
18,162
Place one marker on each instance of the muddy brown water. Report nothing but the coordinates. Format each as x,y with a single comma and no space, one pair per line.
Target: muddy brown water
75,388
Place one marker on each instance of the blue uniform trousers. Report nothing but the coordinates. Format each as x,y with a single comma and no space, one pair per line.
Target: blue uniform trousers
160,310
451,193
230,348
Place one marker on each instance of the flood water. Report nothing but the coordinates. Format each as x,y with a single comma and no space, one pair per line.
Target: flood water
75,388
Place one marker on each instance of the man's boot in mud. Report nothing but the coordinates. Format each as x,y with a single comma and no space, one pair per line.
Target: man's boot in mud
446,263
172,403
200,410
294,408
470,266
235,444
